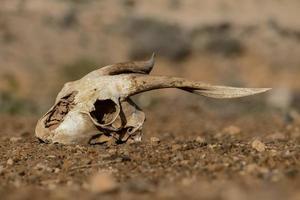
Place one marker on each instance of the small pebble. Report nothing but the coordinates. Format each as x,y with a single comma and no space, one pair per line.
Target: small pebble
56,170
17,183
184,162
42,167
154,140
273,152
200,139
232,130
287,154
15,139
51,156
70,183
10,161
103,182
277,136
258,145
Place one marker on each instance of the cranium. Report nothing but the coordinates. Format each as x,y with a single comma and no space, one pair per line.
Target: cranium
98,107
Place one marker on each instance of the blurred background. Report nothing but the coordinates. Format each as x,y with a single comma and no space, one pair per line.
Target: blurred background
44,43
244,148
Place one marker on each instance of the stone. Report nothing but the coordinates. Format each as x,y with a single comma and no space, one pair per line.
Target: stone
154,140
10,161
103,182
258,145
277,136
15,139
232,130
200,139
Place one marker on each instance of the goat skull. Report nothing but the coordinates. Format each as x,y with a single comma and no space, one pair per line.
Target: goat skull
98,106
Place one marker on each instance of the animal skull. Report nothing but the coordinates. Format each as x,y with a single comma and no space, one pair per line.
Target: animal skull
97,107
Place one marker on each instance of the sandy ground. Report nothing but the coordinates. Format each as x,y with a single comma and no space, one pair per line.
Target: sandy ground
193,147
194,150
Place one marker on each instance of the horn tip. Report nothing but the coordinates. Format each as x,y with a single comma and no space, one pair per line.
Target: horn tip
151,61
153,55
260,90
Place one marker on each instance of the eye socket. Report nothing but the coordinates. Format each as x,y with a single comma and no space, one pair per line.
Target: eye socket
105,111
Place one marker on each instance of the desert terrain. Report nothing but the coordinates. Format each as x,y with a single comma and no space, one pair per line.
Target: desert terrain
193,147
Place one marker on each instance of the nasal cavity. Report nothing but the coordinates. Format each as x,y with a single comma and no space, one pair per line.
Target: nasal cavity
105,111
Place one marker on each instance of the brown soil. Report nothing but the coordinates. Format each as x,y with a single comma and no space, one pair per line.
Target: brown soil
205,152
193,148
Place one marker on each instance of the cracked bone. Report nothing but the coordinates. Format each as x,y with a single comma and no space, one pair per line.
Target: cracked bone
98,108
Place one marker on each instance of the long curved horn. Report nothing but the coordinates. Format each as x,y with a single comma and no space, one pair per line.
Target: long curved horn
143,83
141,67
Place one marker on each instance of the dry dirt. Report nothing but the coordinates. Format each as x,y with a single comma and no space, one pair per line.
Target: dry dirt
240,149
193,147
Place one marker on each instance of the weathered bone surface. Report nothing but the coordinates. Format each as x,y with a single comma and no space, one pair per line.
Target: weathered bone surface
97,108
